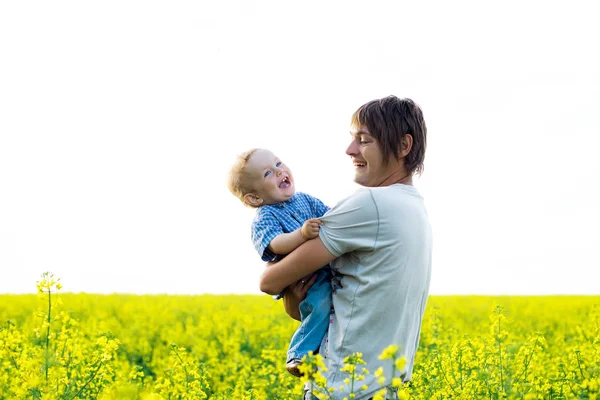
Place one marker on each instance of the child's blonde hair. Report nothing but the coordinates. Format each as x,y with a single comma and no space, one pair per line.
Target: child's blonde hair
238,180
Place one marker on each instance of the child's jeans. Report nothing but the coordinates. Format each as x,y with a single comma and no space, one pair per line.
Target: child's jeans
314,311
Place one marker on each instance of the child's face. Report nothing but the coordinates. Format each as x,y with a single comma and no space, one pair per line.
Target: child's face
272,180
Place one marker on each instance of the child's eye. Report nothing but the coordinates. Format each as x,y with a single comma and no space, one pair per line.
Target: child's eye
267,173
278,163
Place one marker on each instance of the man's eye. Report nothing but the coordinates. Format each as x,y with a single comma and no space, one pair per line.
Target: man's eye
267,173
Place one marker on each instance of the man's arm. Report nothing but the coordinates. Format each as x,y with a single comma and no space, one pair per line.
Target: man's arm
301,262
288,242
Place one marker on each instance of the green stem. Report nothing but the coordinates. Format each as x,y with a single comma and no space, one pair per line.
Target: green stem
460,370
444,375
48,332
527,362
13,361
487,379
187,377
500,352
89,380
579,365
562,369
393,373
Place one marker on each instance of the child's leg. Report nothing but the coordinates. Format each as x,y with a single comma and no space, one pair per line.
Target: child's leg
314,310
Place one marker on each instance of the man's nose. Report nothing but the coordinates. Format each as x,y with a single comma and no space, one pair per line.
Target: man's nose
352,148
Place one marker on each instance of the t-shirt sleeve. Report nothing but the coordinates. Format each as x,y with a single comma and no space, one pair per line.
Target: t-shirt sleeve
352,225
265,228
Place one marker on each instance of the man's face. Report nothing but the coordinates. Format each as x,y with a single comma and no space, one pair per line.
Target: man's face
367,158
272,180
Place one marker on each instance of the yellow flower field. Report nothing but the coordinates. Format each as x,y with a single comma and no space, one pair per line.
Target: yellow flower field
81,346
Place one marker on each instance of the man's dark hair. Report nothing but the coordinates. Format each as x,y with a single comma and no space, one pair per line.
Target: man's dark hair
388,120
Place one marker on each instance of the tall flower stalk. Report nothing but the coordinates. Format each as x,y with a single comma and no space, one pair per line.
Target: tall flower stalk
44,286
398,364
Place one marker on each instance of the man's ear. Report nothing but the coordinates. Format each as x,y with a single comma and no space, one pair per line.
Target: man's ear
252,200
406,145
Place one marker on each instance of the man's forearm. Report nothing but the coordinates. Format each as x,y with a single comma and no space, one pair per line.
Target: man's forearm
286,242
301,262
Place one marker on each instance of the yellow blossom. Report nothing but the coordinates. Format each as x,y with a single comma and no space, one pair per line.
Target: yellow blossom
400,363
389,352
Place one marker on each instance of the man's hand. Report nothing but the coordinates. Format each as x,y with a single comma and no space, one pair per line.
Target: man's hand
295,293
310,228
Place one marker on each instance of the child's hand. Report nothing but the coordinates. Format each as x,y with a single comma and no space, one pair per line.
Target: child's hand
310,229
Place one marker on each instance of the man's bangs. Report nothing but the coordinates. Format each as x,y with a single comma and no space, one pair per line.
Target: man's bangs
356,121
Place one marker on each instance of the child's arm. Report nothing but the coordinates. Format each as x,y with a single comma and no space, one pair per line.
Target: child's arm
288,242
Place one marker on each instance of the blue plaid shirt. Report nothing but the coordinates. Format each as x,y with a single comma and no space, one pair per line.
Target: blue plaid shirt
273,220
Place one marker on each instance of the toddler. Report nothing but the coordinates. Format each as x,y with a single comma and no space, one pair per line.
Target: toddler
284,220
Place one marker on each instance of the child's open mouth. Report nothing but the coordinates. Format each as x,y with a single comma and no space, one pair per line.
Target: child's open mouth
285,183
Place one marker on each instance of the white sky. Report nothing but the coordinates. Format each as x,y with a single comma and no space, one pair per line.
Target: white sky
119,120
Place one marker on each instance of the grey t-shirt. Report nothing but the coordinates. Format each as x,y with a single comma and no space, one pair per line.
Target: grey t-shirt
382,240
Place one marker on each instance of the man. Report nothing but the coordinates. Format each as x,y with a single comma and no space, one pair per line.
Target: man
379,244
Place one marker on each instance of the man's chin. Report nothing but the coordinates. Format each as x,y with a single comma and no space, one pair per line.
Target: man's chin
360,180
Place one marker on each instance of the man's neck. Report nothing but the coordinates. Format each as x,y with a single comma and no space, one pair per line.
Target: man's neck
400,175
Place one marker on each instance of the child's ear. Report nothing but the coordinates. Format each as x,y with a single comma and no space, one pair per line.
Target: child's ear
252,200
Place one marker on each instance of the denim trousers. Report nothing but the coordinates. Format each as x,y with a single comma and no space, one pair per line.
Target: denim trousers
314,313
